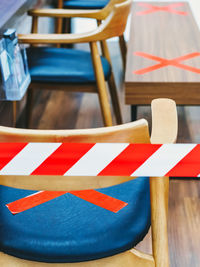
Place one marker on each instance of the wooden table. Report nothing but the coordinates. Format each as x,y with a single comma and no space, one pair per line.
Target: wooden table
163,58
9,9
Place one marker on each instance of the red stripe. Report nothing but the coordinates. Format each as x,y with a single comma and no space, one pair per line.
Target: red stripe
129,159
101,200
33,201
188,166
62,159
8,151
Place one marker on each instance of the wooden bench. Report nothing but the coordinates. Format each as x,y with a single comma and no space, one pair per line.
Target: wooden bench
163,58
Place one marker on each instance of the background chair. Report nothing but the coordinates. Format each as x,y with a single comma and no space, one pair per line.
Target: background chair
72,70
89,8
118,233
88,4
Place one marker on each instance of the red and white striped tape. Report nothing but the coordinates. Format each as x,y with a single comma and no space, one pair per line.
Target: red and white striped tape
100,159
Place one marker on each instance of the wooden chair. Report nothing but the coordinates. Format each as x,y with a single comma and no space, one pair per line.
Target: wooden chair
80,5
90,9
164,130
71,69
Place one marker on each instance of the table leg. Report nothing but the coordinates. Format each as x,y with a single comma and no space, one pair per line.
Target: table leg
133,113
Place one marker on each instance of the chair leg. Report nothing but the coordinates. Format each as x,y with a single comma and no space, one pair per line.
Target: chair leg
123,49
59,26
115,99
111,82
133,113
112,85
14,109
29,107
101,85
59,21
159,212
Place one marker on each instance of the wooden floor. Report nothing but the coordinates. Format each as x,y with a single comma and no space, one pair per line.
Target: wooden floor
59,110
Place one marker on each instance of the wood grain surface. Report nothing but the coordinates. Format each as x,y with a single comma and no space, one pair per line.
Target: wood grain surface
169,36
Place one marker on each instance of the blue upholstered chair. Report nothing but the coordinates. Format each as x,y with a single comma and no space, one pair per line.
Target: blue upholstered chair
68,229
85,4
74,70
90,9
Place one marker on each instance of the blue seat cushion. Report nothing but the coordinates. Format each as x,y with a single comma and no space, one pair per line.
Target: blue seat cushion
62,65
85,4
70,229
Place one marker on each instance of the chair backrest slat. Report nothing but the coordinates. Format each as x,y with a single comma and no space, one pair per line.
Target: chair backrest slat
134,132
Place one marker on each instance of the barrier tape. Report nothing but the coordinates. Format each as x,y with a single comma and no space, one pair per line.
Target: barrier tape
98,159
153,8
167,62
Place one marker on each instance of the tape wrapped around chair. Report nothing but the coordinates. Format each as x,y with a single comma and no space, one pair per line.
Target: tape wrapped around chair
100,159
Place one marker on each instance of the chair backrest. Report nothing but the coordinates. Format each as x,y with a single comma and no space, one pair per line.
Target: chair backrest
113,25
115,22
134,132
104,12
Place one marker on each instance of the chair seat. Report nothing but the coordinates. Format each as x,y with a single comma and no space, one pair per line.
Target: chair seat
61,65
70,229
85,4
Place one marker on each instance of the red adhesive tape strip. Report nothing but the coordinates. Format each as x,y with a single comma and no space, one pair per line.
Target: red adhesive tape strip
92,196
167,62
153,8
33,200
101,200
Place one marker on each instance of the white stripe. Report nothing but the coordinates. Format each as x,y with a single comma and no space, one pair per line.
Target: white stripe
163,160
27,160
96,159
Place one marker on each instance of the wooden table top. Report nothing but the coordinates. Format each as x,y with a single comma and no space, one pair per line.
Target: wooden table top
163,58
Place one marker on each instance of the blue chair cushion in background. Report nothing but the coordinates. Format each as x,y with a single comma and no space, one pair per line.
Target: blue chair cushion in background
85,4
62,65
70,229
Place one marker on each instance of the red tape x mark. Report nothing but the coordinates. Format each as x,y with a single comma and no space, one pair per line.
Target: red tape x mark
168,8
167,62
92,196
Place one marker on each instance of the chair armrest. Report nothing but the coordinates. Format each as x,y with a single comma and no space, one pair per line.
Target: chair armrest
99,14
164,121
35,38
114,25
102,32
66,13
